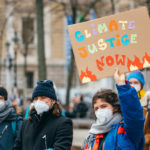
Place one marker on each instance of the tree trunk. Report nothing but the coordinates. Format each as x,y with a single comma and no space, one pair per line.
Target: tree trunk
25,69
1,39
148,5
71,66
25,59
40,35
74,6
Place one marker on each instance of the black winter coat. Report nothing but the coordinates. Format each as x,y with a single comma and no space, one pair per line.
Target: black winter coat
48,131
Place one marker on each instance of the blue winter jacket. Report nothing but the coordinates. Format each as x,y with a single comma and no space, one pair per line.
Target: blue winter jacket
9,131
132,112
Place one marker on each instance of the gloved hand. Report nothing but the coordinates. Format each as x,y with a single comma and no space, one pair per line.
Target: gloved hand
119,78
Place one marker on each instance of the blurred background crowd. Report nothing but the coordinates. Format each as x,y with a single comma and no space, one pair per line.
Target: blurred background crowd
35,45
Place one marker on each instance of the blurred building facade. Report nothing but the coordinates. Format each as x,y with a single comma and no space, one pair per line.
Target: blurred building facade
20,17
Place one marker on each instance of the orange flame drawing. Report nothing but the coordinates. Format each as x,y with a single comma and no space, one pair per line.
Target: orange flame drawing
146,61
134,65
87,76
137,64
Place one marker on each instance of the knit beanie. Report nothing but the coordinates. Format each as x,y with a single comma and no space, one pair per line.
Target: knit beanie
44,88
3,92
137,75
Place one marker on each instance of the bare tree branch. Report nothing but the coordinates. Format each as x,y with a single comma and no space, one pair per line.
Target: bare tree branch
113,6
92,5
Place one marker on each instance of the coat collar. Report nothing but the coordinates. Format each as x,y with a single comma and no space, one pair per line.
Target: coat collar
40,118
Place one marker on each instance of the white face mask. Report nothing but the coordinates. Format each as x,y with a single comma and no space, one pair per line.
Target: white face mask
137,87
41,107
2,103
104,115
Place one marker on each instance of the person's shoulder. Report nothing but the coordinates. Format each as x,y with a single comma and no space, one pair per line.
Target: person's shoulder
147,93
116,126
19,118
26,123
64,125
145,98
14,114
64,119
83,103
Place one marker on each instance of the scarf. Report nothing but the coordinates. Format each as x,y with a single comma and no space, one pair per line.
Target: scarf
141,94
6,112
96,128
99,142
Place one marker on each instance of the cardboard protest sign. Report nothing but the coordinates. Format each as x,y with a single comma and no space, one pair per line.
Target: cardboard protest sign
118,41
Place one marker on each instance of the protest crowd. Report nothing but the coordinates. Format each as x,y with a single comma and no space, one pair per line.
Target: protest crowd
44,126
35,116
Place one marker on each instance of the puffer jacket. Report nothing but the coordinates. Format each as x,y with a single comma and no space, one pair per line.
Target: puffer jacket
129,134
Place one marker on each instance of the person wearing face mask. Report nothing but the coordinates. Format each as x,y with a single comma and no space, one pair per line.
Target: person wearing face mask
119,125
46,128
10,122
136,80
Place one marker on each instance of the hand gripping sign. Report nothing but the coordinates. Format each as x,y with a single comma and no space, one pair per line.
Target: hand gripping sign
117,41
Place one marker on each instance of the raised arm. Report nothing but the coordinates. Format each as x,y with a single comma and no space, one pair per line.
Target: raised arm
132,110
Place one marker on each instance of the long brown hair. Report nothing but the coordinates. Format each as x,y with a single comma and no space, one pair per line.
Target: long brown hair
57,109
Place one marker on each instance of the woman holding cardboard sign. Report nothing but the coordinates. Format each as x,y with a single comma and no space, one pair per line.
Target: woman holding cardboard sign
117,126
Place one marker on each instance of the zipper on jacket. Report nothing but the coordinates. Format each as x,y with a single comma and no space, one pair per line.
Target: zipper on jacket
44,137
5,128
37,118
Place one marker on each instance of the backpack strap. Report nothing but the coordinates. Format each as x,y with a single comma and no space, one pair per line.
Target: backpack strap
13,125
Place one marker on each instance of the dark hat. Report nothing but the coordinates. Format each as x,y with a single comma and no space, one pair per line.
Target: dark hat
44,88
3,92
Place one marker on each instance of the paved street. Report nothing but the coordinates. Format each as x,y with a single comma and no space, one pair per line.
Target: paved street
78,136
